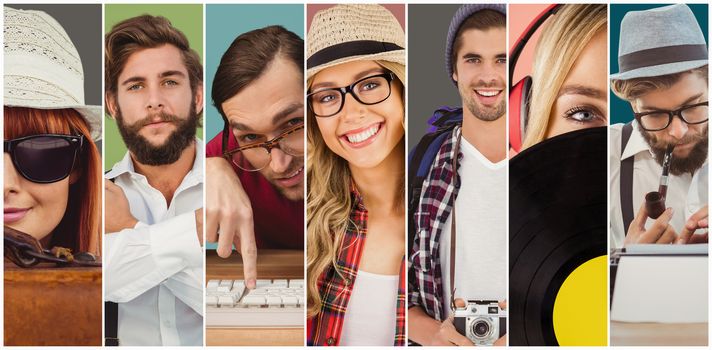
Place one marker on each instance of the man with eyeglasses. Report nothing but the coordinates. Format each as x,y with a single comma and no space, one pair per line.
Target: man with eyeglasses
664,76
255,167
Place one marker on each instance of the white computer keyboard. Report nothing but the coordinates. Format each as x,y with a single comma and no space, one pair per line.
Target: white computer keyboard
273,303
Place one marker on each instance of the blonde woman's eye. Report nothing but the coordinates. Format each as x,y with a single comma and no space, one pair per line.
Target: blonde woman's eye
582,115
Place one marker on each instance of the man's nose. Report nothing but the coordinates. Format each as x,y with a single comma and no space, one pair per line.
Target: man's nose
280,161
155,100
677,128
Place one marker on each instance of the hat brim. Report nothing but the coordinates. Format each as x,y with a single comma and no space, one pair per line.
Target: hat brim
662,69
92,114
396,56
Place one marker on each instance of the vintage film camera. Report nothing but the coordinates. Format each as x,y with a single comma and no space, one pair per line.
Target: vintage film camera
482,321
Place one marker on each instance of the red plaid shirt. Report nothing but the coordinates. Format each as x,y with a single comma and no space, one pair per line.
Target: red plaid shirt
324,329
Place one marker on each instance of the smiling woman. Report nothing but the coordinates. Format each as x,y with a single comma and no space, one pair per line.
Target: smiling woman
356,168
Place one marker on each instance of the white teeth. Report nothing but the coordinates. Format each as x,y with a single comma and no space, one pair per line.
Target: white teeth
363,135
295,173
487,93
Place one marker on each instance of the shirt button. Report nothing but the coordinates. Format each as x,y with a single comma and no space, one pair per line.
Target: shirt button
330,341
347,281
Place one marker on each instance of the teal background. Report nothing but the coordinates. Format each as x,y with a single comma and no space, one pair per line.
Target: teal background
620,110
223,23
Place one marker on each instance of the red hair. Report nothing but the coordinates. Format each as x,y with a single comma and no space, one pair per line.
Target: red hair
80,227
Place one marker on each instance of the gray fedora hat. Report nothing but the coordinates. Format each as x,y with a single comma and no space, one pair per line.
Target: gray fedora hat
660,41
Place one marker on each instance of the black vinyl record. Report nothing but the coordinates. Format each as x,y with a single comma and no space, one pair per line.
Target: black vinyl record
557,221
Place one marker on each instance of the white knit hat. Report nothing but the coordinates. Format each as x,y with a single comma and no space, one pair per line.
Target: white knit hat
42,67
346,33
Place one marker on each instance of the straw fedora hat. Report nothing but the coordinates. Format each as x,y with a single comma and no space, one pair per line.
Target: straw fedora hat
346,33
660,41
42,67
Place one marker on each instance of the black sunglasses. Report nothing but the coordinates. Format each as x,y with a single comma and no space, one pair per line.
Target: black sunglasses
44,158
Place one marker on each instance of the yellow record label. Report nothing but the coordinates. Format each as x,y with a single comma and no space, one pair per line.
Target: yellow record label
580,311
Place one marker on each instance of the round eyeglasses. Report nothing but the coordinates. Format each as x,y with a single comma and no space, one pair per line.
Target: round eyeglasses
369,91
256,156
659,120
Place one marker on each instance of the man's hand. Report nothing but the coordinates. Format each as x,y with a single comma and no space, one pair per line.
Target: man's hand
697,221
118,215
229,211
659,232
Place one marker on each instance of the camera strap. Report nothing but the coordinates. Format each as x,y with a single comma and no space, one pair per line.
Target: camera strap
453,236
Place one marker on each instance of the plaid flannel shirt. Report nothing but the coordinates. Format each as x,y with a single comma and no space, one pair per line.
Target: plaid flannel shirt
436,202
325,327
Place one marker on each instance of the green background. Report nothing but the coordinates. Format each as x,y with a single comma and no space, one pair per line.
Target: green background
620,109
188,18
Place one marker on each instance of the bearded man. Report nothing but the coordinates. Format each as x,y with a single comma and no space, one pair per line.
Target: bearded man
154,195
663,75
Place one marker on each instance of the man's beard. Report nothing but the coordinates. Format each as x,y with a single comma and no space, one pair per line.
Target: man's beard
167,153
487,114
678,166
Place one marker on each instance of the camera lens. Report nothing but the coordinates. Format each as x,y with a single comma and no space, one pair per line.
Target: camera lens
481,328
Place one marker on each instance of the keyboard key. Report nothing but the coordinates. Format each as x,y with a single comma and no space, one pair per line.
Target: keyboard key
290,301
225,286
213,285
212,300
280,283
296,284
253,300
226,301
273,301
263,283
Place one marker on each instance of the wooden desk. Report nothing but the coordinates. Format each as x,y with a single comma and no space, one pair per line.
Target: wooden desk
271,264
670,334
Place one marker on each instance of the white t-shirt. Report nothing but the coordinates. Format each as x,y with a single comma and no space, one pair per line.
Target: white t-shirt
370,317
481,254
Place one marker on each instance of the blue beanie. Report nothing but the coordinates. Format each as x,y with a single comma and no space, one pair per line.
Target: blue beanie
464,12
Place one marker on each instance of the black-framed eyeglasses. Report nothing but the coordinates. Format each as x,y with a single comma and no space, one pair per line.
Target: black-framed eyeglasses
661,119
44,158
256,156
369,91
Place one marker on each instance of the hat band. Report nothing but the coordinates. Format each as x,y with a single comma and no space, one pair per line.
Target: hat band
661,55
348,49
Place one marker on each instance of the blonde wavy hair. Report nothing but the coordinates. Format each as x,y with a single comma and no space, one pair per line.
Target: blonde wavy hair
329,200
559,46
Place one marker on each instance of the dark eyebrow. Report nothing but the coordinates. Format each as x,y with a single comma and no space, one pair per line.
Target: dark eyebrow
356,77
138,79
470,55
169,73
685,103
582,90
276,119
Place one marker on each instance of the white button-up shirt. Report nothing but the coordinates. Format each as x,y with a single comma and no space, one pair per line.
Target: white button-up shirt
646,178
155,270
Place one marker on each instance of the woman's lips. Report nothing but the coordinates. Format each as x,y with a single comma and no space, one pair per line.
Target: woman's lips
14,214
362,137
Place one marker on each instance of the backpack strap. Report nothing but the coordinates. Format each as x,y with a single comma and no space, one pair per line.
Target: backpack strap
422,156
626,180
